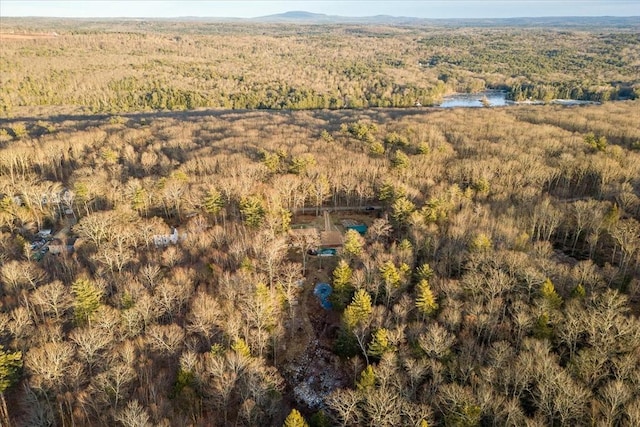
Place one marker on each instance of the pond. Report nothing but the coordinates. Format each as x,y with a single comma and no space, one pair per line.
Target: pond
492,98
498,98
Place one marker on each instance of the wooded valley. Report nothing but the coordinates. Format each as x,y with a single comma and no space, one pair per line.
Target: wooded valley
159,268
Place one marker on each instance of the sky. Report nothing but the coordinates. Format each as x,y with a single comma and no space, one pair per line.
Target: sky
250,9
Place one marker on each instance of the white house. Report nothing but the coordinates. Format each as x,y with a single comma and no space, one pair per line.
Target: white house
164,240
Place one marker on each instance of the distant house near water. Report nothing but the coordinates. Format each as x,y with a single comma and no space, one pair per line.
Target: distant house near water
164,240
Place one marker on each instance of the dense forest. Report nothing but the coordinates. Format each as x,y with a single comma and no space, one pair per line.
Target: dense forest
498,285
174,66
160,268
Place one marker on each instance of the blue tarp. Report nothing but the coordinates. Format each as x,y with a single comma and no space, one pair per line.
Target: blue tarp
323,291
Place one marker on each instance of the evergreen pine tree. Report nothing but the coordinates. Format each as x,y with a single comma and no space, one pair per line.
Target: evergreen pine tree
425,300
579,291
367,380
401,209
359,310
241,347
295,419
10,364
424,272
342,288
213,202
550,295
86,301
252,210
352,244
380,344
390,274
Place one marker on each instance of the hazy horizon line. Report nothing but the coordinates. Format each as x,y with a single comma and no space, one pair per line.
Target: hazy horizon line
320,15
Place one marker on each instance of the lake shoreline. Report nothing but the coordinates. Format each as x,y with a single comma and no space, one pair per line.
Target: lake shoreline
498,98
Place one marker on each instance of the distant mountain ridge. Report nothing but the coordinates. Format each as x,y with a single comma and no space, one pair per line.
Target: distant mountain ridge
295,15
303,17
299,16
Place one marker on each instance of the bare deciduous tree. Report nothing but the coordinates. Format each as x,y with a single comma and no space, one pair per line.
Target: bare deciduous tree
49,364
204,316
166,339
113,385
134,415
346,405
91,343
52,299
305,241
21,326
436,341
382,407
612,400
